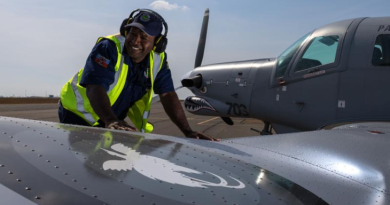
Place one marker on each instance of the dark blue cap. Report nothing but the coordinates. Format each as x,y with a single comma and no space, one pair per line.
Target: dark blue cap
147,22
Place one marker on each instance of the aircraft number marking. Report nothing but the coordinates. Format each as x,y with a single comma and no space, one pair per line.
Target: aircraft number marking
238,109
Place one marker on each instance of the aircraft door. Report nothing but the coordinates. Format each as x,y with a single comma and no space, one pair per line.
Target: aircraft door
307,93
308,97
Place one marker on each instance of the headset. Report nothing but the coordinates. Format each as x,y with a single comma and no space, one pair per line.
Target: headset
161,42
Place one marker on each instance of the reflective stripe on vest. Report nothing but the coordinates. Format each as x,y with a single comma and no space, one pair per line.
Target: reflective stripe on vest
80,101
121,39
141,108
156,67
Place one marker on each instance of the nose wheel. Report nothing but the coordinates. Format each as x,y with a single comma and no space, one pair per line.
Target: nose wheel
267,130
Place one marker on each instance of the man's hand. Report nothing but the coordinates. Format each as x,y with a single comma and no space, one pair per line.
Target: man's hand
198,135
120,125
101,105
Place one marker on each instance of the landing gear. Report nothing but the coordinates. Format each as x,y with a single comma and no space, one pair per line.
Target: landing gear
266,131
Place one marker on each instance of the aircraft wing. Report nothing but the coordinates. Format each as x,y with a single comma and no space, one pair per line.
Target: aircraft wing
50,163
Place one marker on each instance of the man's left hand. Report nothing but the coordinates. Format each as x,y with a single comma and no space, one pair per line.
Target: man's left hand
198,135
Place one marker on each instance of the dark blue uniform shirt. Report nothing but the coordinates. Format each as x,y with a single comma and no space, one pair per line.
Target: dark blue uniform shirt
100,70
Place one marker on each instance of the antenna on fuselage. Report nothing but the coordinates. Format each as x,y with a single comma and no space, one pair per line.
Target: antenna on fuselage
202,39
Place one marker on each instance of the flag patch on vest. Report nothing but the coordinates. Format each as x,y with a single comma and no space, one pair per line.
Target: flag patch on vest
102,61
146,74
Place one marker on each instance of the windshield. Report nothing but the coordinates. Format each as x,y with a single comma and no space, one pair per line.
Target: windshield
285,58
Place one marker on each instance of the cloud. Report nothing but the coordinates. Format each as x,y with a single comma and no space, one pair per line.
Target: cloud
185,8
164,5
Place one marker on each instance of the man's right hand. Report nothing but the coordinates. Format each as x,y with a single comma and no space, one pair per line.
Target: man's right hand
120,125
101,105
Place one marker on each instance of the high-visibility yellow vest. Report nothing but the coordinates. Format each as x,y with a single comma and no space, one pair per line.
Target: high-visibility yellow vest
74,97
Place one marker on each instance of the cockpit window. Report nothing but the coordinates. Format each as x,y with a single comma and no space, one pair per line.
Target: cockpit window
285,58
381,54
321,51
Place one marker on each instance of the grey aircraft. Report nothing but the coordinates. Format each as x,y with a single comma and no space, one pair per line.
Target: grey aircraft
334,74
56,164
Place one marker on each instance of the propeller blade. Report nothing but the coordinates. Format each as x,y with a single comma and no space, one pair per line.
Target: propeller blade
177,88
156,98
202,39
228,120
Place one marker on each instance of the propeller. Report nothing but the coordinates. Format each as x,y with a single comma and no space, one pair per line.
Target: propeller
228,120
186,81
156,98
197,80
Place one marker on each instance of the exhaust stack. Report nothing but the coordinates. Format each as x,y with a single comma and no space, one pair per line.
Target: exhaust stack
195,81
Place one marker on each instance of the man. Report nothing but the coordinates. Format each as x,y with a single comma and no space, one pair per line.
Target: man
119,78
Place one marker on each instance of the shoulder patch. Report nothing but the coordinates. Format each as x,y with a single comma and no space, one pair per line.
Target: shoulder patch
102,61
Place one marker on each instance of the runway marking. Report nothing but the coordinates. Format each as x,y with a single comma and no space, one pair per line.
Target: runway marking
208,120
165,118
159,118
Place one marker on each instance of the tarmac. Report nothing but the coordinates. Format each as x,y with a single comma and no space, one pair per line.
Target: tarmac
210,125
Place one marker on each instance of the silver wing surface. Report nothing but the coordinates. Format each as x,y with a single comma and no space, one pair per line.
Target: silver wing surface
50,163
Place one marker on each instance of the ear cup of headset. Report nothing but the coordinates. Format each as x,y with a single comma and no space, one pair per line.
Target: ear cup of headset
122,29
161,44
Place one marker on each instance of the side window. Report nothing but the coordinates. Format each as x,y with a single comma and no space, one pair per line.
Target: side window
321,51
381,54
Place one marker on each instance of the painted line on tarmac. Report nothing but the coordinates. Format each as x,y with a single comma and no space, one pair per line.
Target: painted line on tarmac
165,118
159,118
208,120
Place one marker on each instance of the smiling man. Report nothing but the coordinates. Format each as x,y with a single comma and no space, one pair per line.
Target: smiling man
120,76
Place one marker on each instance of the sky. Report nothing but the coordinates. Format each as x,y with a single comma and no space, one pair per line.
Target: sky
45,42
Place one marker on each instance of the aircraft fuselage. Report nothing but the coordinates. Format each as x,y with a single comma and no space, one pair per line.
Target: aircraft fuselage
336,73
